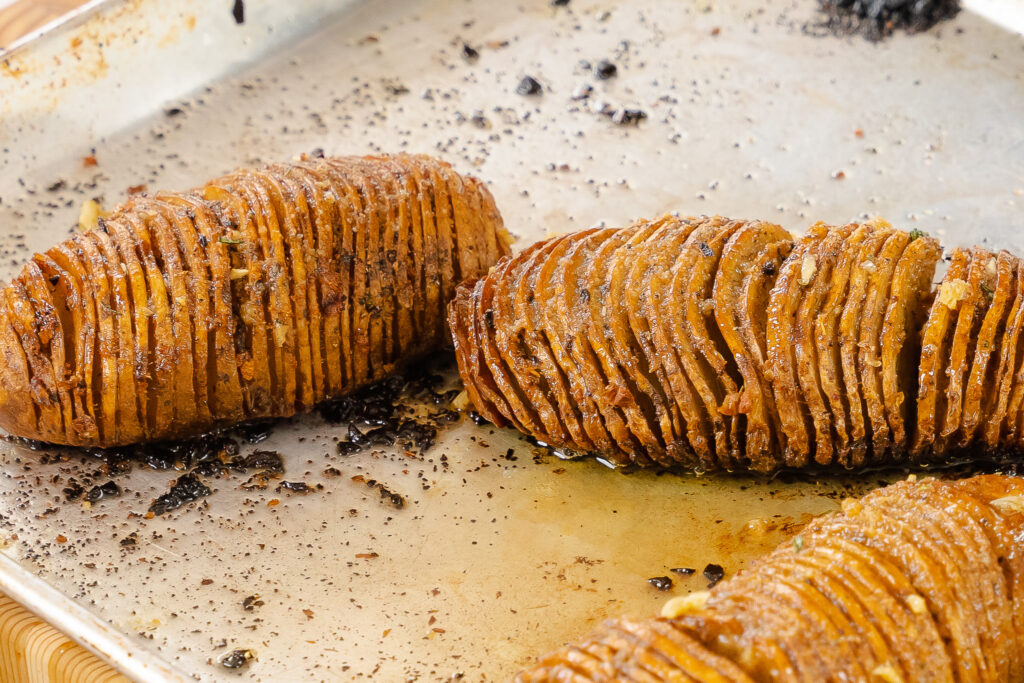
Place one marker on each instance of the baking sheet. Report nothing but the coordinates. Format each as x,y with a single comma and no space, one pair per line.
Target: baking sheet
495,557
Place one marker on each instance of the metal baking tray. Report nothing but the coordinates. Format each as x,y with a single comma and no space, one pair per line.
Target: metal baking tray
497,554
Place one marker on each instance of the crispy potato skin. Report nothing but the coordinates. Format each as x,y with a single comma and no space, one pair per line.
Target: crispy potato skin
917,581
707,343
257,295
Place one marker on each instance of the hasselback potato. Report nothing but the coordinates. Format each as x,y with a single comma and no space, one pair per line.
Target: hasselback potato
918,581
711,343
256,295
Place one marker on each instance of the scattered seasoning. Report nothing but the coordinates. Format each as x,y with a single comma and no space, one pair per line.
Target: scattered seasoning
582,91
878,19
108,490
559,3
62,538
367,556
715,31
915,234
308,613
186,489
605,70
685,571
625,116
90,161
470,53
56,186
713,573
238,11
662,583
252,602
838,175
798,543
137,189
529,86
298,487
173,111
236,659
130,540
229,240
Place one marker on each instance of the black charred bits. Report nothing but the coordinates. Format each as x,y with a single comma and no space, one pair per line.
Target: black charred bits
387,494
559,3
662,583
380,416
236,659
251,602
238,11
108,490
185,490
605,70
529,86
878,19
713,573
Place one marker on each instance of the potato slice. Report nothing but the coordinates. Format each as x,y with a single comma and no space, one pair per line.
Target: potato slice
483,302
753,321
1002,419
691,382
783,305
572,307
431,255
50,323
738,258
283,216
868,262
901,336
628,379
304,240
520,356
399,263
979,399
42,383
674,412
280,338
531,337
68,354
119,229
981,278
20,410
936,340
816,277
545,309
168,259
692,278
129,425
869,352
826,333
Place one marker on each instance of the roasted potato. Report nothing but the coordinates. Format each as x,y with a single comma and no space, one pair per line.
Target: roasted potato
709,343
257,295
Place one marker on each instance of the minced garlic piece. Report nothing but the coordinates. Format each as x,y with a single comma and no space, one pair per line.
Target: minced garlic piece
952,292
239,273
887,673
990,266
808,267
90,215
461,402
917,604
868,266
685,604
1009,504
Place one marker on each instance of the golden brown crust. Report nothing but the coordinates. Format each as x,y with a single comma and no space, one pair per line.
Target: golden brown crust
255,296
936,340
738,265
901,335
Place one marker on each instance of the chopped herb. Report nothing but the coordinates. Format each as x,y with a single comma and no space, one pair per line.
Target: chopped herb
229,240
